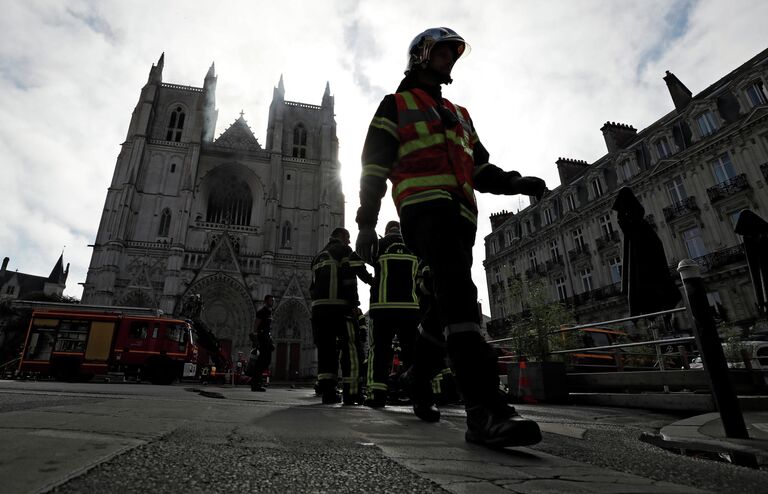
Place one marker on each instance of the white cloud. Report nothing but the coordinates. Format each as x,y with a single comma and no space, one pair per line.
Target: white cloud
540,81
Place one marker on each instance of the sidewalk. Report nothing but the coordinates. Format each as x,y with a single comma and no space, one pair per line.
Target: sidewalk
705,432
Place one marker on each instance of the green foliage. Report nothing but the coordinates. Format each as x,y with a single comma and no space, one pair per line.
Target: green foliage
532,333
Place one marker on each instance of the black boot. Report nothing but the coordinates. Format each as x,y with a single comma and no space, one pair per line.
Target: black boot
327,389
376,399
420,392
500,426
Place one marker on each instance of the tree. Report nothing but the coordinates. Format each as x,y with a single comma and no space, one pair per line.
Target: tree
533,335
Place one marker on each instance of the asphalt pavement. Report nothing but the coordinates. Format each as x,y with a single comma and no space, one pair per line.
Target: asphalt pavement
91,437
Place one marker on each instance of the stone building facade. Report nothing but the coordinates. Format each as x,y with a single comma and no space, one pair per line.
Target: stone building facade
693,170
224,217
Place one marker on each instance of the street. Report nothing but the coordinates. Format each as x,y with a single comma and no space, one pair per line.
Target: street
99,437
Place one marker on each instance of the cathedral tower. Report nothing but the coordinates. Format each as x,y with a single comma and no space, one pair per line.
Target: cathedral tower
223,217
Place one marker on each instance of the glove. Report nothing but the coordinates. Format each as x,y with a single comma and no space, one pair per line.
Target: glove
366,244
530,186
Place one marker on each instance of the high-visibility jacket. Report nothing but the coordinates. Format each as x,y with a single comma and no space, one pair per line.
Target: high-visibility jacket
433,160
335,270
396,267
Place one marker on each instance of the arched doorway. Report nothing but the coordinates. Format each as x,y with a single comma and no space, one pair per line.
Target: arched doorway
295,355
227,311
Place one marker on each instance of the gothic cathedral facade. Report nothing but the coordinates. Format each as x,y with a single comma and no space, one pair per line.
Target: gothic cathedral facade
225,218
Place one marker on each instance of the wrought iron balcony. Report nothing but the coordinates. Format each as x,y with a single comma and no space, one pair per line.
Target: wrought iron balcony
680,209
722,257
554,263
579,253
535,272
725,189
608,240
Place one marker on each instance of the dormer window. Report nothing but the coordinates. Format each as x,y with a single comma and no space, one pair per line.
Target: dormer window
571,202
299,141
175,125
756,93
548,216
625,168
597,188
707,123
663,148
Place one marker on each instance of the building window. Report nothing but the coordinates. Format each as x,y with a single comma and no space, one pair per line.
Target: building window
548,216
606,226
626,169
586,279
571,202
597,187
562,291
554,249
734,217
175,125
578,238
299,141
165,223
662,147
528,227
230,201
532,259
723,168
716,305
694,243
676,190
497,274
173,167
615,267
756,93
493,246
9,290
285,241
707,123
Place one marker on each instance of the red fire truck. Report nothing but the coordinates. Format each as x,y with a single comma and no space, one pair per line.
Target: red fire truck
77,342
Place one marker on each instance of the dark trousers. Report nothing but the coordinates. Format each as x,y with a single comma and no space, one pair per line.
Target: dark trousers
333,328
384,325
438,234
261,364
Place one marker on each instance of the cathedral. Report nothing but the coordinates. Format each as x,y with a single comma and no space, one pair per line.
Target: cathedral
226,218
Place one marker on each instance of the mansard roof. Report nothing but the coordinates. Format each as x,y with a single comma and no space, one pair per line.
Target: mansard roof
239,136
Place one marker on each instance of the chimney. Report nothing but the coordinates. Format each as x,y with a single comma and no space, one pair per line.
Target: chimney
5,264
498,218
617,135
569,169
681,95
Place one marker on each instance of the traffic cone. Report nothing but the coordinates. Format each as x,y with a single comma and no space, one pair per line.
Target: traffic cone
524,392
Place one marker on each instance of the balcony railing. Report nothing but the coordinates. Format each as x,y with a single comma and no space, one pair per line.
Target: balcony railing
535,272
579,253
730,186
680,209
608,240
554,263
722,257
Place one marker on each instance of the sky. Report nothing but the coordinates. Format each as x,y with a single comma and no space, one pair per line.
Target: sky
540,80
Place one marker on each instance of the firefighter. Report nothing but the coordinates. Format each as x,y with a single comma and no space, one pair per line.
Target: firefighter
263,346
335,270
394,310
428,148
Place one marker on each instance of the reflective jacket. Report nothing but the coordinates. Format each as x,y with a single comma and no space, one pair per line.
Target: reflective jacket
335,270
394,282
435,158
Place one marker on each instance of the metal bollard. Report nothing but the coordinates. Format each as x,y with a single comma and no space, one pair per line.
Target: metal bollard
713,358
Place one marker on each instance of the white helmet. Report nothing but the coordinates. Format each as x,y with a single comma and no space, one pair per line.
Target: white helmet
421,46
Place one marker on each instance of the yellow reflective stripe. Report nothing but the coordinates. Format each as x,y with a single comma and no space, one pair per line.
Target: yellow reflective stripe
479,169
371,170
410,102
329,301
422,129
426,181
354,366
325,375
469,192
386,125
395,305
427,195
383,283
468,214
421,143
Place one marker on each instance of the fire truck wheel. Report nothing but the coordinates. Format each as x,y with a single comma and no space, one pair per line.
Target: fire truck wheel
160,371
